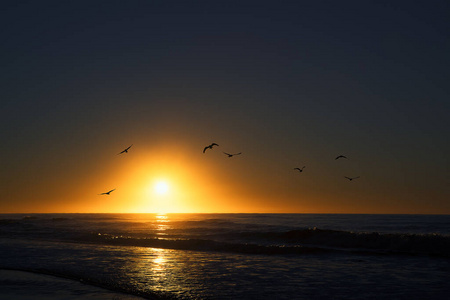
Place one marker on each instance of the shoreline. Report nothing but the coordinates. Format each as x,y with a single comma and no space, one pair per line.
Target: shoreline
42,285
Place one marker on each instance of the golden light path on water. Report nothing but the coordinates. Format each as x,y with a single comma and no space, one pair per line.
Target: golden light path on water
160,266
189,274
168,270
162,221
159,255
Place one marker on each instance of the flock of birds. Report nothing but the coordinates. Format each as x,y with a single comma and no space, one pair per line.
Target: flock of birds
340,156
210,146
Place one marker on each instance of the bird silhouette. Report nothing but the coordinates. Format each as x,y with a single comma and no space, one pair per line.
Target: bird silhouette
231,155
125,151
351,178
300,170
209,147
107,193
341,156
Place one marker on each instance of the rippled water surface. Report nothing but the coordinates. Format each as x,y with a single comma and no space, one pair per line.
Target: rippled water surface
84,247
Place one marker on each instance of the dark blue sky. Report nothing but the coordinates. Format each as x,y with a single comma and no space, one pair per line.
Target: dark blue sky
288,83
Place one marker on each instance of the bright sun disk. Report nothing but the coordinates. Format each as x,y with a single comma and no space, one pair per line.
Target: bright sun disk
161,187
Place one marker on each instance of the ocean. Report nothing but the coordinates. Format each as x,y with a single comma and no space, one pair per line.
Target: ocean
237,256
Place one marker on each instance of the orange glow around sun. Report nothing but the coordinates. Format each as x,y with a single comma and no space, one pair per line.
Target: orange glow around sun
159,182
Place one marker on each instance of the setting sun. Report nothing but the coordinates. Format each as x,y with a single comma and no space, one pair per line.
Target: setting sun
161,188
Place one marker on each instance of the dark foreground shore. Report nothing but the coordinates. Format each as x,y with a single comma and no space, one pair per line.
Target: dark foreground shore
19,285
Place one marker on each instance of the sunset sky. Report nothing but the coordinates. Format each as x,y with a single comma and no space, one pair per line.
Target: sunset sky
287,83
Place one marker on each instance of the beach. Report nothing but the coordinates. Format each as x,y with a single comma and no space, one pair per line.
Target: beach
20,285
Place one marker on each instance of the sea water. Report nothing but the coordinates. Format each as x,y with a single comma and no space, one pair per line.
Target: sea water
237,256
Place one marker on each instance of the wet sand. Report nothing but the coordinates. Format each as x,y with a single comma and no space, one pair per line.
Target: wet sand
20,285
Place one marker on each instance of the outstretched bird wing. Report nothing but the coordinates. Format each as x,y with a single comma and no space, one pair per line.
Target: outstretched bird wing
210,147
125,150
341,156
107,193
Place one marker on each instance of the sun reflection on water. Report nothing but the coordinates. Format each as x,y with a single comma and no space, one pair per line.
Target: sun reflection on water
162,221
164,271
159,259
162,218
152,265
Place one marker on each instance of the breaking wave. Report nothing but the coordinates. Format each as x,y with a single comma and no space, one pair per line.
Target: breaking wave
209,235
306,241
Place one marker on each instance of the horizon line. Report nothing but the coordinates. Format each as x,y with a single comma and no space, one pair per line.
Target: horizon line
224,213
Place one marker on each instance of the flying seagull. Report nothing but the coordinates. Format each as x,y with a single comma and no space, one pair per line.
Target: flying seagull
351,178
209,147
341,156
300,170
125,151
107,193
231,155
